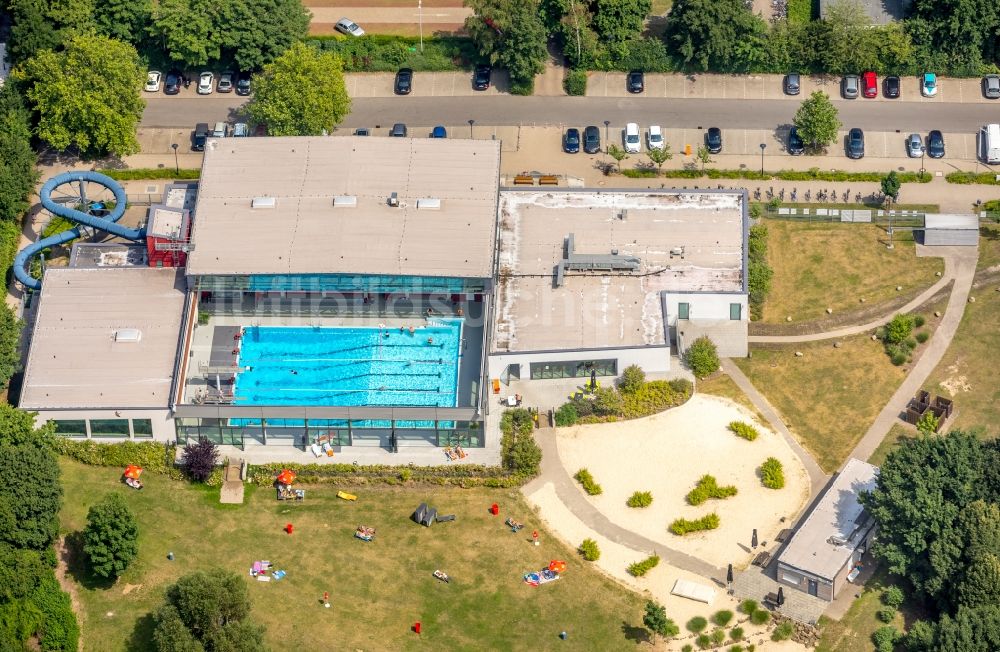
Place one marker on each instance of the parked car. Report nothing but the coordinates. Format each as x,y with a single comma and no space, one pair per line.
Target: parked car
713,140
200,136
914,146
243,84
991,87
241,130
362,131
349,27
892,86
571,141
850,87
631,138
795,144
654,137
206,81
636,82
225,84
935,144
855,143
791,84
221,130
928,85
404,81
869,82
592,140
481,77
398,130
172,86
439,132
153,79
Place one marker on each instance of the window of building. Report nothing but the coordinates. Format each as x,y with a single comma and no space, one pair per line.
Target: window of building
109,428
736,311
142,428
683,310
71,427
573,369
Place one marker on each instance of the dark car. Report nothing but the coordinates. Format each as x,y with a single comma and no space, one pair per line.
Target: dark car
398,130
172,85
855,143
791,84
935,144
404,81
201,132
571,141
636,82
243,84
892,86
713,140
362,131
592,140
481,77
795,144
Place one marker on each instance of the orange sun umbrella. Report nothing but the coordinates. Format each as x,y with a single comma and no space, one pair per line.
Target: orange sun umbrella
286,477
133,471
557,566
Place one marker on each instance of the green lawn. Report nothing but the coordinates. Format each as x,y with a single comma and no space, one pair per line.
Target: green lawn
853,632
721,384
378,590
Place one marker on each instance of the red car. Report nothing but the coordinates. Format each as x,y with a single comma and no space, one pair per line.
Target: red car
869,84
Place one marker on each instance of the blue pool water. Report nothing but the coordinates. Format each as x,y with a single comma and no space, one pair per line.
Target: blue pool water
350,366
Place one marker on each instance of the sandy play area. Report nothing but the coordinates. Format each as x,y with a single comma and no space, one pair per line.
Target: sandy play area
667,454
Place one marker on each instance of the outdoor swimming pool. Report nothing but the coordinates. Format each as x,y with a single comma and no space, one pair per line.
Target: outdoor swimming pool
350,366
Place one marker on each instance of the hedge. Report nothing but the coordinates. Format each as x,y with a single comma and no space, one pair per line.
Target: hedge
141,174
708,487
771,474
640,173
683,526
812,174
608,404
640,499
744,430
387,53
457,475
640,568
986,178
587,481
151,456
575,82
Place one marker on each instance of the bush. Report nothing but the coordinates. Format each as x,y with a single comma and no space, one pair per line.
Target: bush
151,174
641,173
696,625
783,632
566,415
687,648
706,488
760,617
885,638
898,329
748,607
722,618
608,402
519,452
640,568
736,633
893,597
771,474
655,396
633,378
702,357
111,538
683,526
988,178
575,82
744,430
885,614
199,460
59,630
922,336
735,648
704,641
918,321
589,550
718,636
151,456
587,482
640,499
386,53
898,358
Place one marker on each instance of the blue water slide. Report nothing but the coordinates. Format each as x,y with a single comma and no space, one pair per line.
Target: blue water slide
106,223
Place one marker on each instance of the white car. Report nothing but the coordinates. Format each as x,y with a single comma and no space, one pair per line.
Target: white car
240,130
349,27
631,138
153,81
928,84
654,137
206,81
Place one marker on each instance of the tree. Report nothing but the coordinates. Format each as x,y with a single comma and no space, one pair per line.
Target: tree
301,94
10,335
633,378
124,20
659,156
816,121
620,20
890,185
110,539
618,154
32,495
970,630
104,118
702,357
510,33
254,33
170,634
32,30
17,428
656,621
186,30
847,46
17,159
704,157
200,459
705,33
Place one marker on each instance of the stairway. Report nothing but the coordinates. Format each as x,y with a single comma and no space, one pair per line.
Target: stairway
232,483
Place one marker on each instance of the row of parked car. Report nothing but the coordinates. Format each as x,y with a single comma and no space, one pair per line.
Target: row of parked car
171,84
202,132
403,84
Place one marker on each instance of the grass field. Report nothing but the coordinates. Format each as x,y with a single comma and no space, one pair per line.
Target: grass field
853,632
378,590
721,384
820,265
896,435
989,246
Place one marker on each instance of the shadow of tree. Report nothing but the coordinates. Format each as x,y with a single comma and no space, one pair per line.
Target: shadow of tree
635,634
141,639
76,564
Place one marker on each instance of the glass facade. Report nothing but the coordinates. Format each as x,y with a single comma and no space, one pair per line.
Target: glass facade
683,310
142,428
573,369
341,283
71,427
735,311
109,428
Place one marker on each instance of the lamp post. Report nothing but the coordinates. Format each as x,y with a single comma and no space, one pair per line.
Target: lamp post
420,14
177,166
763,146
607,142
922,152
471,122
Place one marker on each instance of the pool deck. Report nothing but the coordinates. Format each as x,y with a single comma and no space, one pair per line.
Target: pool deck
419,455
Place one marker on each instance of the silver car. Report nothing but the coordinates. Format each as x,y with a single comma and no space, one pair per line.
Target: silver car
914,146
850,87
991,87
349,27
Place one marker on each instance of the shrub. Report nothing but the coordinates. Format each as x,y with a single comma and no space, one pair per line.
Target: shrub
687,648
152,174
988,178
387,53
910,343
519,453
607,401
759,272
704,641
640,499
898,329
566,415
898,358
783,632
587,481
893,597
736,633
918,321
760,617
640,568
735,648
718,636
633,378
200,459
683,526
111,536
922,336
885,638
702,357
748,607
771,474
706,488
722,618
589,550
696,625
885,614
575,82
655,396
151,456
640,173
744,430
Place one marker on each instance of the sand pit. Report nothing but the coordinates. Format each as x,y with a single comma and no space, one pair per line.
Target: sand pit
667,454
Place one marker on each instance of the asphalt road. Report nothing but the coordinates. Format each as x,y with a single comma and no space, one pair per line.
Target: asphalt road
676,113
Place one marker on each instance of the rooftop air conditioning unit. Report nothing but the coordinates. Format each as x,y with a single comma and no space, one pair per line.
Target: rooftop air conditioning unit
263,202
345,201
128,335
429,203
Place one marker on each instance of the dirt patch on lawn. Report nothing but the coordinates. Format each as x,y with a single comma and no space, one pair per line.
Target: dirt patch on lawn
64,557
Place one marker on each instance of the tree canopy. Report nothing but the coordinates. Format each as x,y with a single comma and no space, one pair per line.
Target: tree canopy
817,122
706,34
110,539
510,33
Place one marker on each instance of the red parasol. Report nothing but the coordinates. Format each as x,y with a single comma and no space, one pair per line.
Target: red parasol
557,566
286,477
133,471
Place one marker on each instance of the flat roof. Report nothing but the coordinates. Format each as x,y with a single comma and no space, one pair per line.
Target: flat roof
74,360
951,221
686,241
303,233
823,542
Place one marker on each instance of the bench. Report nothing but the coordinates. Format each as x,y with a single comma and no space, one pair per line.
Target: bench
771,599
524,180
762,559
783,536
548,180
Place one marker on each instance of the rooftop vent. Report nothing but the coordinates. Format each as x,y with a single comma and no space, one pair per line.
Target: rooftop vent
429,203
263,202
128,335
345,201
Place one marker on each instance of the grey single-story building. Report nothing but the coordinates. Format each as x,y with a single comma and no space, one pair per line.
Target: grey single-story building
951,229
828,545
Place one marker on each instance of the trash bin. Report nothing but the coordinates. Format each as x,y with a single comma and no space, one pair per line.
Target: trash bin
495,509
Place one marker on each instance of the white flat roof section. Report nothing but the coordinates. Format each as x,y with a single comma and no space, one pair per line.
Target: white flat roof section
828,536
104,338
684,242
298,229
951,221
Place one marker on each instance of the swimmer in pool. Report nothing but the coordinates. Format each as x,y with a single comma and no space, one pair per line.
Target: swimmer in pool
430,340
295,373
